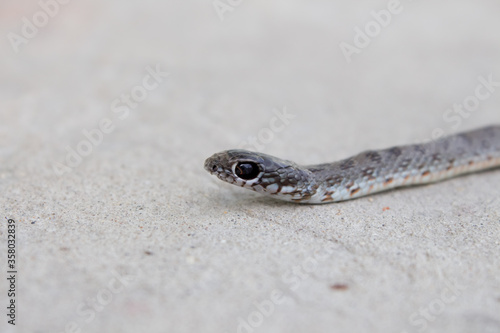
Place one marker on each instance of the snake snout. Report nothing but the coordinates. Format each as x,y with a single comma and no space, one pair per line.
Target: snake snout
215,164
210,165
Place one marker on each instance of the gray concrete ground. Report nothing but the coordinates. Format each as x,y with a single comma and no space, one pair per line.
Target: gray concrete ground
109,108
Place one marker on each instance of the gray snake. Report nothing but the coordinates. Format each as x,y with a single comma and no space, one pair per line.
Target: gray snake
366,173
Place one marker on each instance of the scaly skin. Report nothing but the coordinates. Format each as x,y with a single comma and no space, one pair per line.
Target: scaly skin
366,173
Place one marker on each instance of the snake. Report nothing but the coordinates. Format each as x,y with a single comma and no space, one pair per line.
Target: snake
369,172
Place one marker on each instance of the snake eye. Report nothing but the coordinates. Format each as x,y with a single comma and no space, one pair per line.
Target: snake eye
246,170
214,167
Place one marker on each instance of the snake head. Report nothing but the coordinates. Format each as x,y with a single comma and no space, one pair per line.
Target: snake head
261,173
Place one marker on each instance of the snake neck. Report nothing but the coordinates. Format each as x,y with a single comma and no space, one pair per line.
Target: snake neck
291,183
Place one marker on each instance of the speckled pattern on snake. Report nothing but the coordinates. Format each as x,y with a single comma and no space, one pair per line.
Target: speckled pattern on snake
366,173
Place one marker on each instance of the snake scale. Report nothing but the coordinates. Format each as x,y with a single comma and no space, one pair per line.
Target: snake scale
366,173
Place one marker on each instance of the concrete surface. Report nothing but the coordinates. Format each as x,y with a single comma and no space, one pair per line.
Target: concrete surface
132,235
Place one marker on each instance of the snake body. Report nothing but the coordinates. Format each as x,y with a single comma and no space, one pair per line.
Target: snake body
366,173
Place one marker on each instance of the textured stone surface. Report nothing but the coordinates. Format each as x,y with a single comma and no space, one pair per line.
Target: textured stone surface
137,237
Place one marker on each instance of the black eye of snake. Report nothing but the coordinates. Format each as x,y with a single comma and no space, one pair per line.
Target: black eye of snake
247,170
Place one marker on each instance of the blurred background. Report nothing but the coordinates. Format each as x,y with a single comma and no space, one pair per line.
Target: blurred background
232,63
109,106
